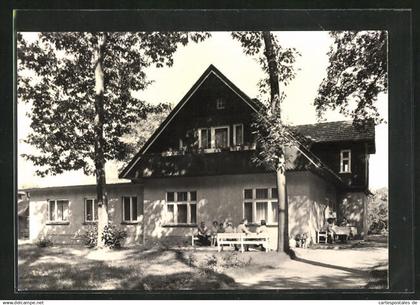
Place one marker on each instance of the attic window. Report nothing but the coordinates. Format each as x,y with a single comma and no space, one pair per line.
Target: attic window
345,161
220,104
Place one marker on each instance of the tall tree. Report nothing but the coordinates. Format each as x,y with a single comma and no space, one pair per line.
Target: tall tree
356,75
142,131
79,86
272,134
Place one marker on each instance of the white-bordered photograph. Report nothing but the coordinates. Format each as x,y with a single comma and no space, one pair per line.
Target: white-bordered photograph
202,160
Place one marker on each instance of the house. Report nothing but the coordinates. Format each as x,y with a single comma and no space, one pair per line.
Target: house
198,166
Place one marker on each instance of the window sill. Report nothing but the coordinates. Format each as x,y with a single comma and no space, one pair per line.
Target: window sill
53,223
130,222
344,172
180,225
86,223
272,224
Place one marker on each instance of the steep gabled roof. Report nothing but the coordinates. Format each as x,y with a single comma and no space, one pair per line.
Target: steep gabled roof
211,70
300,131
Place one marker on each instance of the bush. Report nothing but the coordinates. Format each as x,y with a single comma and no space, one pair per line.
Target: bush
90,236
113,236
44,242
378,212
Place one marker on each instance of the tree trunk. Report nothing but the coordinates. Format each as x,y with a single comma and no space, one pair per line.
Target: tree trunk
283,222
283,226
272,72
99,141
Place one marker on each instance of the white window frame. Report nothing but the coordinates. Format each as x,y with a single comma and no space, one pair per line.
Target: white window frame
93,210
66,221
234,134
140,212
175,203
199,137
220,103
342,159
270,201
213,135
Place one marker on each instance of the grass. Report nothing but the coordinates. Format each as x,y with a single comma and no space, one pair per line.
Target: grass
174,268
78,268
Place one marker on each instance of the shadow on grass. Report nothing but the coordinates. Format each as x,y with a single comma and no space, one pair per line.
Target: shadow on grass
378,277
324,265
64,270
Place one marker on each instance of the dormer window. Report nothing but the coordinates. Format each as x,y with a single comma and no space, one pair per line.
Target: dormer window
220,104
238,134
220,137
345,161
203,138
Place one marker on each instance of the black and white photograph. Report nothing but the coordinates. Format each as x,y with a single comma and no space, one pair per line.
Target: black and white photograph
202,160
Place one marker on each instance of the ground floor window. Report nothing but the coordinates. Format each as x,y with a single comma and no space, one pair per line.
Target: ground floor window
91,210
132,209
260,204
181,207
58,210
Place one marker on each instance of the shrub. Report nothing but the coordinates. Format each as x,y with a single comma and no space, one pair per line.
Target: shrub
90,236
378,212
113,236
44,241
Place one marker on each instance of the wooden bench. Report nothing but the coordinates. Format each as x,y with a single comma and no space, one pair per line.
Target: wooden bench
241,239
193,239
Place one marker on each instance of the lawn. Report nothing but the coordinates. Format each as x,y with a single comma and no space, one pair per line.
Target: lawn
78,268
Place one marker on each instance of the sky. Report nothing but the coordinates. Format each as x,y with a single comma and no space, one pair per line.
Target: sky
170,84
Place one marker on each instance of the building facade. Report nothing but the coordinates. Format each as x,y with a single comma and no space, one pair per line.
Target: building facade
198,166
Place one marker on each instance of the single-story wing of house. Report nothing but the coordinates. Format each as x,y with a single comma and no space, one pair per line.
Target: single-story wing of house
198,166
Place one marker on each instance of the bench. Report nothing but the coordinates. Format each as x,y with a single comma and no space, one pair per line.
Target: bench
241,239
341,232
193,239
322,236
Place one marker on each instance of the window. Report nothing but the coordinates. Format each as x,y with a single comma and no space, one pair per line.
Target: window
248,211
203,138
132,209
220,137
181,207
345,161
182,216
248,194
261,193
260,204
261,211
182,196
91,210
220,103
238,134
58,210
274,212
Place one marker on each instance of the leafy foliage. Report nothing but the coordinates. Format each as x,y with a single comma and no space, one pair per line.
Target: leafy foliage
56,76
252,44
271,133
378,212
143,130
44,242
113,236
90,236
356,74
272,137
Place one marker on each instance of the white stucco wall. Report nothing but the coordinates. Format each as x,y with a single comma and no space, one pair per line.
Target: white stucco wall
221,198
309,195
218,198
353,206
66,233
